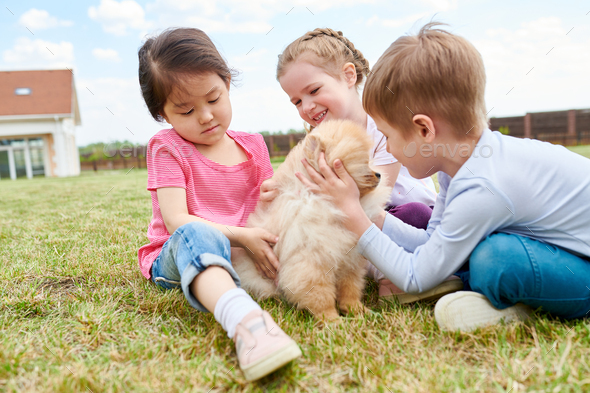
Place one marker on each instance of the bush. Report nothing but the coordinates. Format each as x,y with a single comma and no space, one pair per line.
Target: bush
290,131
110,151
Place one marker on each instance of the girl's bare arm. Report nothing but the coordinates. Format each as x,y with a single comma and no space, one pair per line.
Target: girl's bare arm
257,241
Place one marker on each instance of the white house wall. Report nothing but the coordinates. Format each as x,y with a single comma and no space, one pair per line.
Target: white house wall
66,157
73,156
16,128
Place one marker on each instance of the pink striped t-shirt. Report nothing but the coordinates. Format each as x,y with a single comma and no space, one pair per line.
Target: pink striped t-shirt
219,193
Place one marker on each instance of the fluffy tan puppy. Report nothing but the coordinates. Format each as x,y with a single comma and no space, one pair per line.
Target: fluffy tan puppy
319,264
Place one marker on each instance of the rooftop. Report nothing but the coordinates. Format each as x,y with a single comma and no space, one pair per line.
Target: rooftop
43,92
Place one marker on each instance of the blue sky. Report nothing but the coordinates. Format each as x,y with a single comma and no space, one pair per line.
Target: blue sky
536,53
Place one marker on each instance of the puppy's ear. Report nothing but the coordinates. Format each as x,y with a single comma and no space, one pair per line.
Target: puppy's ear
313,147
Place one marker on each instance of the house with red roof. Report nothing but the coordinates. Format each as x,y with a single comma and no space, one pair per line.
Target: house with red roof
38,118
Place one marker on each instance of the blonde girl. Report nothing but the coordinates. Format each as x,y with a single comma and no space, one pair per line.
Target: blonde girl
321,73
204,181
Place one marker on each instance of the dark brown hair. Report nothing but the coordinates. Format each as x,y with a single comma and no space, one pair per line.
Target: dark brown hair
166,59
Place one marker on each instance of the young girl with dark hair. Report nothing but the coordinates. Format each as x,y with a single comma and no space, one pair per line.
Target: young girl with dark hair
204,181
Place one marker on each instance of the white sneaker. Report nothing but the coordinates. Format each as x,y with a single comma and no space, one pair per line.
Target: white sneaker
467,311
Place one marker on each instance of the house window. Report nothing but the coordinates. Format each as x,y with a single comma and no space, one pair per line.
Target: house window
36,151
17,143
18,156
20,162
22,91
4,164
21,158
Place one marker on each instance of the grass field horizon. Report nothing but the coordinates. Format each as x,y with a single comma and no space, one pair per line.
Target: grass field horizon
77,315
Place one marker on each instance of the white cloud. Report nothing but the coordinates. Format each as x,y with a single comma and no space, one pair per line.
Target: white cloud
252,61
236,16
315,5
27,53
117,17
106,54
224,23
271,106
539,66
129,119
408,20
36,19
441,5
229,16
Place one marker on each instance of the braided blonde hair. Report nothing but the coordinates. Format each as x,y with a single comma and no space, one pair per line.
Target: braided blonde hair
331,49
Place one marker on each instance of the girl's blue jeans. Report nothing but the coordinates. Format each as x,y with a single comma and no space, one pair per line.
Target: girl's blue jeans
510,269
191,249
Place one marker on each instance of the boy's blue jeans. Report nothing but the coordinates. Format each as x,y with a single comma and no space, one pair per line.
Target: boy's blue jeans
510,269
191,249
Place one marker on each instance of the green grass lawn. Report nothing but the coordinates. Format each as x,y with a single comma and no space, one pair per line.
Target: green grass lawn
76,315
582,150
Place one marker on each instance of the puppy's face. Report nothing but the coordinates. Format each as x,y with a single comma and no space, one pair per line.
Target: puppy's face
347,141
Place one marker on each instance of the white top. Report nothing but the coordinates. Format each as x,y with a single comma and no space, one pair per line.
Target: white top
406,189
517,186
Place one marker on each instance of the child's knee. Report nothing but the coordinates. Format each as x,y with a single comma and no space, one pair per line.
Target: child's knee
204,232
416,214
496,261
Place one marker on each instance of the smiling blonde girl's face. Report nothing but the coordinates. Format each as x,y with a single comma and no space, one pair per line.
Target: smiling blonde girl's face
318,95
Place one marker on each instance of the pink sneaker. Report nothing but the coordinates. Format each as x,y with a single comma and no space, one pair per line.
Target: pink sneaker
262,346
388,291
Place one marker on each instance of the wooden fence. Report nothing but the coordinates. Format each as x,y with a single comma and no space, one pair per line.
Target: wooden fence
281,145
566,128
116,162
277,145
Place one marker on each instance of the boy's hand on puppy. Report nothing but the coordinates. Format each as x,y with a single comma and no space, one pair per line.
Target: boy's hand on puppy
341,187
339,184
257,243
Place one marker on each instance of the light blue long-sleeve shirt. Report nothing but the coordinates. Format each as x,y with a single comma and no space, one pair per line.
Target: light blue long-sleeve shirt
517,186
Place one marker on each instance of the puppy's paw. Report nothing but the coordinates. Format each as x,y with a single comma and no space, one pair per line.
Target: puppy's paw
325,315
356,308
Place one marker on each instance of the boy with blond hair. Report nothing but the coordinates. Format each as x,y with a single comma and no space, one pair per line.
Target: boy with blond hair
512,214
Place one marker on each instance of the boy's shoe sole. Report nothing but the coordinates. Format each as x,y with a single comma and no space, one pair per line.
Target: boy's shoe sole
272,362
467,311
452,284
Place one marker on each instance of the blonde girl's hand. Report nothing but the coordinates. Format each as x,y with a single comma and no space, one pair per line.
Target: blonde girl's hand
257,243
269,190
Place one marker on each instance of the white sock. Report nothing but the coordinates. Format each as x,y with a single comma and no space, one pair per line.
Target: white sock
232,307
374,273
